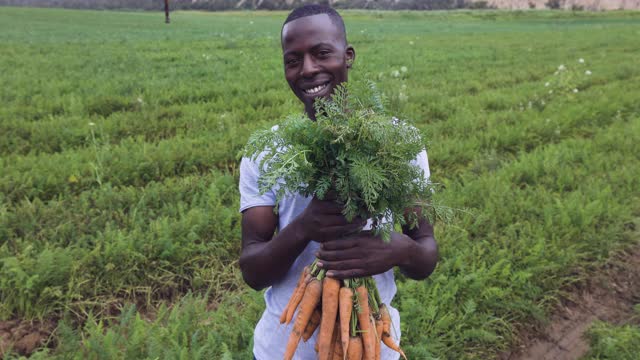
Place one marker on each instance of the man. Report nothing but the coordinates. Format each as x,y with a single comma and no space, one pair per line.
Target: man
276,247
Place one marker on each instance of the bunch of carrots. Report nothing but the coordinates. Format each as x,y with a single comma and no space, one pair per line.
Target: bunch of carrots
353,320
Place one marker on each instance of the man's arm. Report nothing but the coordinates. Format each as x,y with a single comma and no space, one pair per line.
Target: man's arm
266,258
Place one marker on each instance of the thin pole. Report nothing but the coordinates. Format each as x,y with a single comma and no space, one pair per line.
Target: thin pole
166,11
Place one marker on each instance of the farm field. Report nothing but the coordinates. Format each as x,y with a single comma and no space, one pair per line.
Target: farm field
119,143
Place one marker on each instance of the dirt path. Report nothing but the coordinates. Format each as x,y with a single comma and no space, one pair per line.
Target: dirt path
609,296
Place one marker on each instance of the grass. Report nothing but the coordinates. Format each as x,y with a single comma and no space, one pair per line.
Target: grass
614,342
118,168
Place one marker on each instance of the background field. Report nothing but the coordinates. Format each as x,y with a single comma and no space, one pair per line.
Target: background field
118,169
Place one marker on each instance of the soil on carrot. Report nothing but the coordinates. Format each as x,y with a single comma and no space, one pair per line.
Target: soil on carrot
607,296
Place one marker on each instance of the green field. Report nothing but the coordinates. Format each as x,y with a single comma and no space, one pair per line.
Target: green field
119,142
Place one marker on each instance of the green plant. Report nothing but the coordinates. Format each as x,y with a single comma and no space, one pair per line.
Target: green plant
351,148
98,150
614,342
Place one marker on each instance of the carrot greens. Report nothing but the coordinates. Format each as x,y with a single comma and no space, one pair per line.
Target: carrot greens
355,148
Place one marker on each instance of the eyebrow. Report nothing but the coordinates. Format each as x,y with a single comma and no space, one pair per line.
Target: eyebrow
312,48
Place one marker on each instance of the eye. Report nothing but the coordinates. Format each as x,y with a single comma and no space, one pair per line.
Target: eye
324,53
291,62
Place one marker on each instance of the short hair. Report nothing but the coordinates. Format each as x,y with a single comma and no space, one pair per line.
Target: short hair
317,9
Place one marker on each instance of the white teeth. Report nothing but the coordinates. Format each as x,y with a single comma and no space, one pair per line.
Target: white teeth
315,90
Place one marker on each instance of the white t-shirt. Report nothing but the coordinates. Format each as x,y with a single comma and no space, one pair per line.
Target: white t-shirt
270,337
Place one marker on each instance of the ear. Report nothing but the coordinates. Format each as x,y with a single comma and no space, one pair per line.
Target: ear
350,54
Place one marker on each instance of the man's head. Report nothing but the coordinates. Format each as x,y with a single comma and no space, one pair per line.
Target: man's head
316,54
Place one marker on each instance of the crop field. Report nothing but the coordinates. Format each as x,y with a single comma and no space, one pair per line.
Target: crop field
119,143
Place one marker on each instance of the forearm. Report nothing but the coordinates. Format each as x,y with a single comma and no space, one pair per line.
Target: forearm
264,263
419,256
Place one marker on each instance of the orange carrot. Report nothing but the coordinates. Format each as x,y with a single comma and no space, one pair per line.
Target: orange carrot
355,348
296,298
345,304
313,324
378,327
309,301
388,340
386,331
303,274
374,338
364,322
337,344
334,336
330,290
386,319
316,347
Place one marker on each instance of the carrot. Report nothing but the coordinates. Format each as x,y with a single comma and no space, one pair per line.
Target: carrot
309,301
334,336
316,348
355,348
345,303
303,274
296,298
374,338
386,331
386,319
337,344
365,324
388,340
330,290
313,324
378,327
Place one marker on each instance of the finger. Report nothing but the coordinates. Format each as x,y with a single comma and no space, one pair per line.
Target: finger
348,274
339,255
343,265
336,232
353,228
356,223
340,244
336,220
330,207
339,231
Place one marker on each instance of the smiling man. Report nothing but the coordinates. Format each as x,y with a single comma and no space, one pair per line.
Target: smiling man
316,54
276,247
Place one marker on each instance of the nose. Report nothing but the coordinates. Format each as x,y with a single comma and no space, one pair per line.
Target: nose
309,67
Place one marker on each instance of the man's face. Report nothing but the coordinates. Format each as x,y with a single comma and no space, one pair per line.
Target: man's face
316,58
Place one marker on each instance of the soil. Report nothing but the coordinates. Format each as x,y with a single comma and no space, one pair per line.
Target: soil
24,337
608,296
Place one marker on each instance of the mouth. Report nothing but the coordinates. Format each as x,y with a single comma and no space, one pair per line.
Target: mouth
316,90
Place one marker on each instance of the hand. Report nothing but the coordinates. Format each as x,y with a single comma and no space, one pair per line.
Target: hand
323,220
362,254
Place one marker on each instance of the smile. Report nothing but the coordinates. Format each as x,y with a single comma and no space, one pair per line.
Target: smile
315,90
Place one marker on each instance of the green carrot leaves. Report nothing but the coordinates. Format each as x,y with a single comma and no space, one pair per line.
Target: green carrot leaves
353,148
